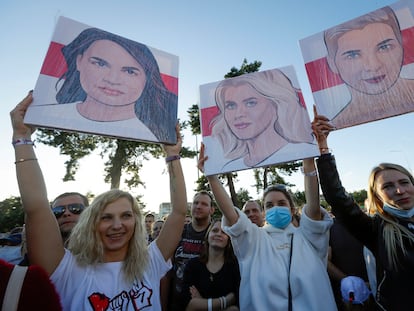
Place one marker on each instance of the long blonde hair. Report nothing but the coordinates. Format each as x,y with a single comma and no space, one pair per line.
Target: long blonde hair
290,111
86,244
393,232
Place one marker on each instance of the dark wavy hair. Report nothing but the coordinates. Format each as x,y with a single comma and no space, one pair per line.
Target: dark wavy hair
228,251
156,107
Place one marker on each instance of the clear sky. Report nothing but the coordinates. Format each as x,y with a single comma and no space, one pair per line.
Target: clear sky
209,37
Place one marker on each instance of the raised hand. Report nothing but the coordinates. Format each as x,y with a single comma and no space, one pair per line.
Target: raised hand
172,150
201,159
321,128
21,130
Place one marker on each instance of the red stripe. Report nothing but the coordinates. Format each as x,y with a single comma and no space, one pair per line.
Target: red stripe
170,82
321,77
55,65
207,114
408,44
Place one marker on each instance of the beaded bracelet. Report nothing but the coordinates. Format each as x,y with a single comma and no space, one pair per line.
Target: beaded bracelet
22,141
172,158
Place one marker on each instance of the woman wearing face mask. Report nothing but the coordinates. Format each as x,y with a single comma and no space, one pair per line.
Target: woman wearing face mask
279,262
389,234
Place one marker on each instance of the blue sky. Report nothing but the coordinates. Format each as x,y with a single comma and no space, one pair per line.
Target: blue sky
209,37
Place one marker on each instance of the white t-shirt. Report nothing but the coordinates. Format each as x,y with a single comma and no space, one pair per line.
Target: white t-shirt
102,286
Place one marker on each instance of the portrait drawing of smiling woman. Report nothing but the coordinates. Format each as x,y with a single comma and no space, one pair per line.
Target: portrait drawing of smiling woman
261,121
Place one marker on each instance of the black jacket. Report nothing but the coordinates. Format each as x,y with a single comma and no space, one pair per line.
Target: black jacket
395,287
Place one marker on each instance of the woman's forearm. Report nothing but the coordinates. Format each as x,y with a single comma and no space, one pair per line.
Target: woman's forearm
223,200
313,210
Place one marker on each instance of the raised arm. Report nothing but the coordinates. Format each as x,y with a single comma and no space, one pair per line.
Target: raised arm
44,242
321,128
171,232
313,209
223,200
330,182
343,204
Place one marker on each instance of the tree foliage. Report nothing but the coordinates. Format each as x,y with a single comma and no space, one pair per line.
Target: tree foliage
299,198
194,119
243,196
244,68
270,175
11,214
360,196
122,157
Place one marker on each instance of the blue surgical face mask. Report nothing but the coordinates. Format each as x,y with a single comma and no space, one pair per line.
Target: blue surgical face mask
279,216
399,213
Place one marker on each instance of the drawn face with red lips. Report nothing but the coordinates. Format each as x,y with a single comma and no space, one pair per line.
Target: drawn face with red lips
369,60
110,75
247,113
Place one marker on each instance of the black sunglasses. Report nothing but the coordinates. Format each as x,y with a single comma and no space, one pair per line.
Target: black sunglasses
75,208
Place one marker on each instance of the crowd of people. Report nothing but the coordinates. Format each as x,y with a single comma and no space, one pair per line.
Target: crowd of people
107,255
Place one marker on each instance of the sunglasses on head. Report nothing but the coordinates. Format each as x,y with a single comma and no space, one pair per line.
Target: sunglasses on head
75,208
276,187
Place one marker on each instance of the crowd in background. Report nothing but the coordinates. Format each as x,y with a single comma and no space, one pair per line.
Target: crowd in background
267,255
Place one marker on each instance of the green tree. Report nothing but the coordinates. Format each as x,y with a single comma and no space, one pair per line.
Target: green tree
270,175
243,196
299,197
202,184
194,119
360,196
244,68
11,214
123,157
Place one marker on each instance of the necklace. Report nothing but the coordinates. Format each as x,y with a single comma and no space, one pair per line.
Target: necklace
211,277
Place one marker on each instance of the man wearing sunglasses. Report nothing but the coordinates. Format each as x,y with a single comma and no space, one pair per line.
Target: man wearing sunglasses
67,208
